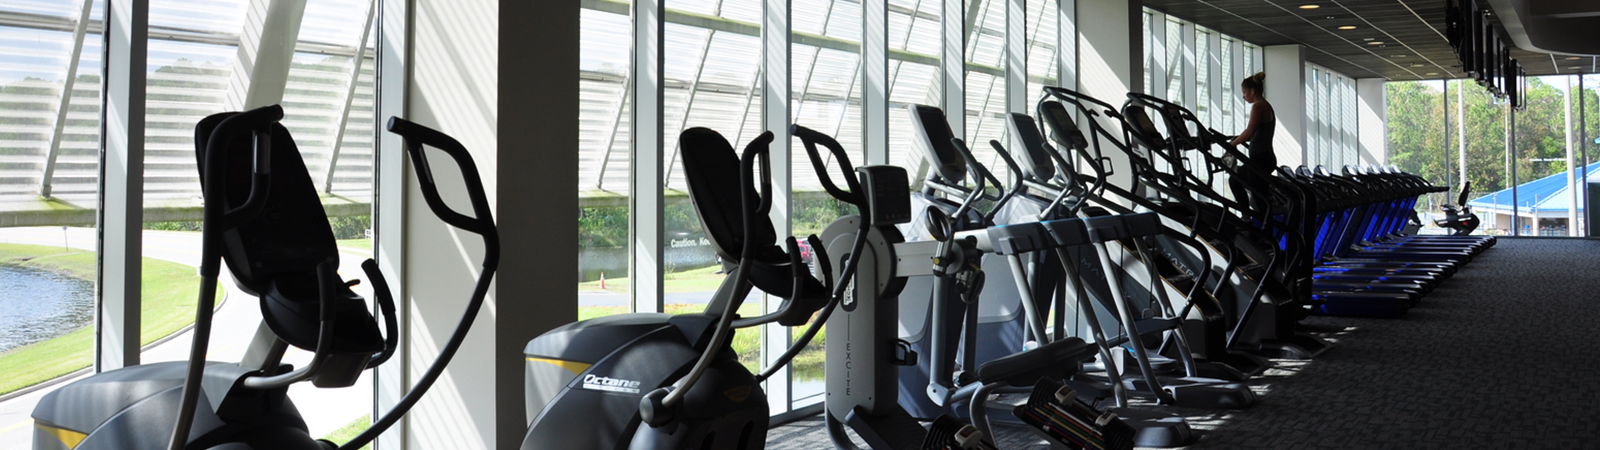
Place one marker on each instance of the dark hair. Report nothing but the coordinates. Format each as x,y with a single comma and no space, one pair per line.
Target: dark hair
1256,82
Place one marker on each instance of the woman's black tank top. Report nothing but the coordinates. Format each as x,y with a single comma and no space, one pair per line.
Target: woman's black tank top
1261,142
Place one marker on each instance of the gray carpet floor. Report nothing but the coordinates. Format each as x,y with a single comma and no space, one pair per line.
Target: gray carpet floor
1503,355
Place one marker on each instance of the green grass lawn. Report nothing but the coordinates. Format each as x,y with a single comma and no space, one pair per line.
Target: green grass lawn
363,244
350,430
169,293
705,279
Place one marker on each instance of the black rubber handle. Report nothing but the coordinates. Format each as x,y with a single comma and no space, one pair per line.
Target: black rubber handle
257,121
482,220
810,138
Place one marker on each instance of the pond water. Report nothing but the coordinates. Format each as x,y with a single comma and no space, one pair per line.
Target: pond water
36,305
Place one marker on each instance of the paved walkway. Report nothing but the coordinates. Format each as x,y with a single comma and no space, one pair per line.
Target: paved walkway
235,323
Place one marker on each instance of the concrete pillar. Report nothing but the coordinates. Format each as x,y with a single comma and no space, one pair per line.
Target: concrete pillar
121,215
392,380
775,84
1188,64
472,78
1285,66
1158,57
1211,62
1572,163
875,80
266,47
1372,130
1110,63
646,204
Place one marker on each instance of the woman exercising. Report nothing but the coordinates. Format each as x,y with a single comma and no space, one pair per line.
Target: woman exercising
1263,124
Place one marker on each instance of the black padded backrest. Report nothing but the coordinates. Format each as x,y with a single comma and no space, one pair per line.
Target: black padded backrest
291,236
711,169
1034,161
940,153
1062,127
1466,188
1143,129
1179,128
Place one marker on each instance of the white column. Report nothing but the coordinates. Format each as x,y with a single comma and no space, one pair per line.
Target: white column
1110,61
1285,66
1158,49
527,158
875,80
1016,65
647,226
121,214
1191,77
1015,60
1067,43
1372,135
1461,137
953,66
775,81
1241,110
1572,162
392,380
266,48
1212,60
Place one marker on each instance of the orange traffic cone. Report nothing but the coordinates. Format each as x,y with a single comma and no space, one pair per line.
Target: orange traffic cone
602,280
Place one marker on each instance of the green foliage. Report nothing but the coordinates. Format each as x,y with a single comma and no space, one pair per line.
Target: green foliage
1419,142
349,227
603,227
812,214
350,431
173,226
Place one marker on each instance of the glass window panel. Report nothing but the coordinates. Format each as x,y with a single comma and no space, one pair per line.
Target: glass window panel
605,148
50,318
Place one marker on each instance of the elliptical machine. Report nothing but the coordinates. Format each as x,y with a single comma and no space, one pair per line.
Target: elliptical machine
658,381
264,219
1459,218
865,347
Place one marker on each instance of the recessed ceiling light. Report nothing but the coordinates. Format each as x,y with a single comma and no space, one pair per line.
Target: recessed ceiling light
1310,6
1574,67
1572,58
1348,27
1374,42
1416,65
1330,17
1433,73
1398,56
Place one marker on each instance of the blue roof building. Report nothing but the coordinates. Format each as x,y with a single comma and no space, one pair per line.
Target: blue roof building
1546,198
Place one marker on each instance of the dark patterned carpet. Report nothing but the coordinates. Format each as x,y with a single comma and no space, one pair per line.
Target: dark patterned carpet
1503,355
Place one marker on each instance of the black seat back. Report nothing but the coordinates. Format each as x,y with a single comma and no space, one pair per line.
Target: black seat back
711,169
1143,129
275,254
1035,163
291,236
940,153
